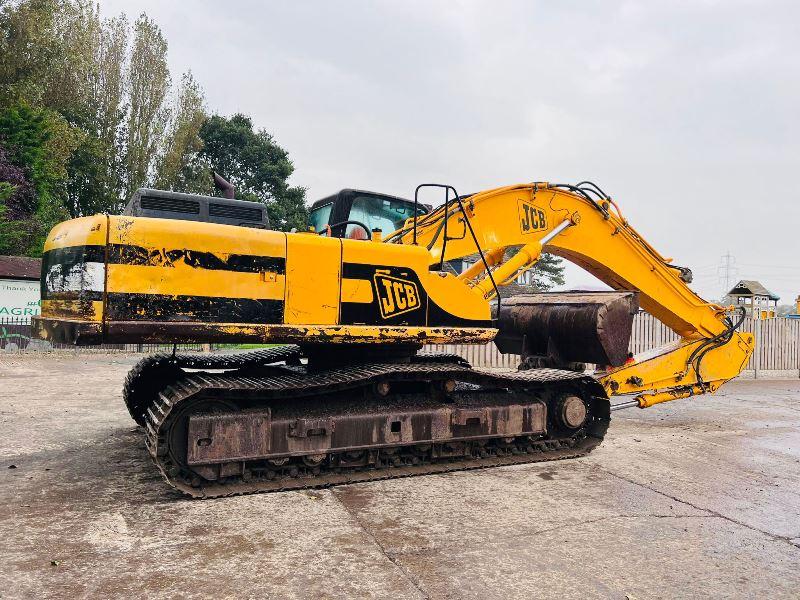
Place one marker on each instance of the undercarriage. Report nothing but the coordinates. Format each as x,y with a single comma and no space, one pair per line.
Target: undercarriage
274,420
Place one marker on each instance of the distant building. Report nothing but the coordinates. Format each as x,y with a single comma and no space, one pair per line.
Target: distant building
796,314
19,288
758,301
523,284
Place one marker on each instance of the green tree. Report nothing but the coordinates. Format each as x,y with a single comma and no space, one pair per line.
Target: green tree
180,166
67,80
92,182
257,166
39,142
49,61
95,171
548,272
88,113
47,54
28,49
17,204
148,82
108,80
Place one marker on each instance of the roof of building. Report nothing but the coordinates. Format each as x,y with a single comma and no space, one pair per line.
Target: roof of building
20,267
514,289
749,287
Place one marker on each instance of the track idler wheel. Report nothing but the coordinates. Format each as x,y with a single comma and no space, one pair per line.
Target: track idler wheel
572,412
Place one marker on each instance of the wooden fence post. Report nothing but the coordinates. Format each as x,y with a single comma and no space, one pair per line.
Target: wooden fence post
759,339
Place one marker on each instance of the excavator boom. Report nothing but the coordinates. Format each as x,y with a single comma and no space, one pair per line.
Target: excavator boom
584,226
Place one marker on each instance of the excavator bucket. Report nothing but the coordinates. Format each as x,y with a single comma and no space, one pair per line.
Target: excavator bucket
568,327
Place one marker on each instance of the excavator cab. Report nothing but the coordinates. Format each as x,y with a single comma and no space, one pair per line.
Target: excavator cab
356,214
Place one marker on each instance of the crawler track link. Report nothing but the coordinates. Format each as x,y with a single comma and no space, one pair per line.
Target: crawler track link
153,373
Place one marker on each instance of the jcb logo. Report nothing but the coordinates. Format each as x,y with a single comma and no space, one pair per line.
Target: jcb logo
395,296
531,218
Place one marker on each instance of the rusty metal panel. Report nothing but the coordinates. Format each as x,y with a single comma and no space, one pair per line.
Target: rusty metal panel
467,416
228,437
593,327
509,420
249,435
306,435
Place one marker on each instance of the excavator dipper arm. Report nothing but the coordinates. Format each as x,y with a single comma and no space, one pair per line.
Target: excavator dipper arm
584,226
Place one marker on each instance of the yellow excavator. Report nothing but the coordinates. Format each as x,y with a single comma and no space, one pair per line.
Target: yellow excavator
343,394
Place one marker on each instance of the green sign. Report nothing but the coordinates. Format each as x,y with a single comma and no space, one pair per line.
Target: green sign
19,299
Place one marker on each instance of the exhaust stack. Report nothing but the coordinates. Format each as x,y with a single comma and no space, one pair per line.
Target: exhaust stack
223,184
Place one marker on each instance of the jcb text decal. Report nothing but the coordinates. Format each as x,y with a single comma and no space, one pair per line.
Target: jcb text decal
531,218
395,296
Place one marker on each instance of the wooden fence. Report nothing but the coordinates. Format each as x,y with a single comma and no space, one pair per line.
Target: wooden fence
777,346
777,351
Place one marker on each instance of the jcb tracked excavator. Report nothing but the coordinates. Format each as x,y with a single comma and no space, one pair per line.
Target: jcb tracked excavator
348,397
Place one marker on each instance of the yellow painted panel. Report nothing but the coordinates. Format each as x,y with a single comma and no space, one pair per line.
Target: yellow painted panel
357,290
400,255
86,231
85,310
183,280
222,240
313,276
669,367
455,296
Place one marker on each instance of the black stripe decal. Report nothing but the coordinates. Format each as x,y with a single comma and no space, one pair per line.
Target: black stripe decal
123,254
209,309
429,314
84,295
62,265
71,256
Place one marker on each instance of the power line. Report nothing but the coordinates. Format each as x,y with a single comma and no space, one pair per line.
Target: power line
770,267
727,270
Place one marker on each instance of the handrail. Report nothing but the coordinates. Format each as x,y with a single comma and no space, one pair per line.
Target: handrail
457,198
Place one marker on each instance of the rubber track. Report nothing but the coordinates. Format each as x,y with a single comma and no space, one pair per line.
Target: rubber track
290,383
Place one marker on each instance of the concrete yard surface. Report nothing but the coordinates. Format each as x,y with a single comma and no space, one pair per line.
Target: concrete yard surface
699,498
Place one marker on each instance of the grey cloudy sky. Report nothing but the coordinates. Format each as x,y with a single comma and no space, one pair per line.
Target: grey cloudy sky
687,113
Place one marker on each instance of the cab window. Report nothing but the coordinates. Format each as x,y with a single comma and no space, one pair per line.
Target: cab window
318,218
378,213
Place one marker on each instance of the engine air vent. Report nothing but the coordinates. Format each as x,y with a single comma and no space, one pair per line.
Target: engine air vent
234,212
179,205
